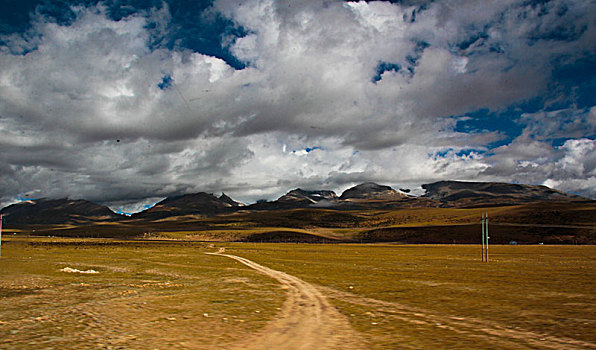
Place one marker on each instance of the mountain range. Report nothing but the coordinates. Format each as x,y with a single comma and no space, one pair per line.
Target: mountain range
482,194
189,204
57,211
443,194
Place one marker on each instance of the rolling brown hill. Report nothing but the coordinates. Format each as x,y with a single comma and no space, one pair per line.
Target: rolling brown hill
549,223
371,191
57,211
449,212
189,204
481,194
298,198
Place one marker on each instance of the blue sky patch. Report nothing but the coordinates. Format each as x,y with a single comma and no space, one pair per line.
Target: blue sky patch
414,58
560,141
307,150
203,33
383,67
464,152
166,82
484,120
473,39
576,80
192,25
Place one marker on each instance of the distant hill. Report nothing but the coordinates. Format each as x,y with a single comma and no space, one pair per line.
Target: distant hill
311,197
226,199
57,211
476,194
370,190
189,204
298,198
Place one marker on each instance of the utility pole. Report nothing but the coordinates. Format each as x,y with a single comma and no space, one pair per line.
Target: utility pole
485,237
482,237
1,219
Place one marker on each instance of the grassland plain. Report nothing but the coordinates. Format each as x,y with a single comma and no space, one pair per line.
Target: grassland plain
171,295
443,296
147,295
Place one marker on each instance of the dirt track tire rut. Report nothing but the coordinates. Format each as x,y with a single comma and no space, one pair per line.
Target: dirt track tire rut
306,321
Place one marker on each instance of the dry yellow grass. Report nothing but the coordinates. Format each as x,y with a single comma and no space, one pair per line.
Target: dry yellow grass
146,295
171,295
445,297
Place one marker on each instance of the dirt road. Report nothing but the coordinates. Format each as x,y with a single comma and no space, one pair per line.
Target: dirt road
306,321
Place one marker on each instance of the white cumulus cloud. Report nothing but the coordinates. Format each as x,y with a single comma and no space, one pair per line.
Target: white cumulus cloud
94,110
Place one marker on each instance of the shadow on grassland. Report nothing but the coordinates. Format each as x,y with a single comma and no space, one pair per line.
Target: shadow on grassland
470,234
287,237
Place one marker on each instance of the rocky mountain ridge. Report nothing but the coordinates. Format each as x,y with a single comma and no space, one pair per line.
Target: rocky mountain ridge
57,211
365,196
201,203
370,191
477,194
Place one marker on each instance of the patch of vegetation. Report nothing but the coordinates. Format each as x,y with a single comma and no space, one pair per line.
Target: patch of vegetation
287,237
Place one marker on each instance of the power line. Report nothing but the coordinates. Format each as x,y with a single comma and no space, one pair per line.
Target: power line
181,96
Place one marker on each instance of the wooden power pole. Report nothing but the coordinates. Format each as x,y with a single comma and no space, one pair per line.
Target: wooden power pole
1,219
482,237
486,234
485,237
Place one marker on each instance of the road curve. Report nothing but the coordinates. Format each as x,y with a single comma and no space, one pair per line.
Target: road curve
306,321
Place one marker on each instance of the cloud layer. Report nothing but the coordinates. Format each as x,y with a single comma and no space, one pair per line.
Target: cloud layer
329,94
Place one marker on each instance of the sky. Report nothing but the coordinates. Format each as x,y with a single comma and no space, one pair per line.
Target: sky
125,102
